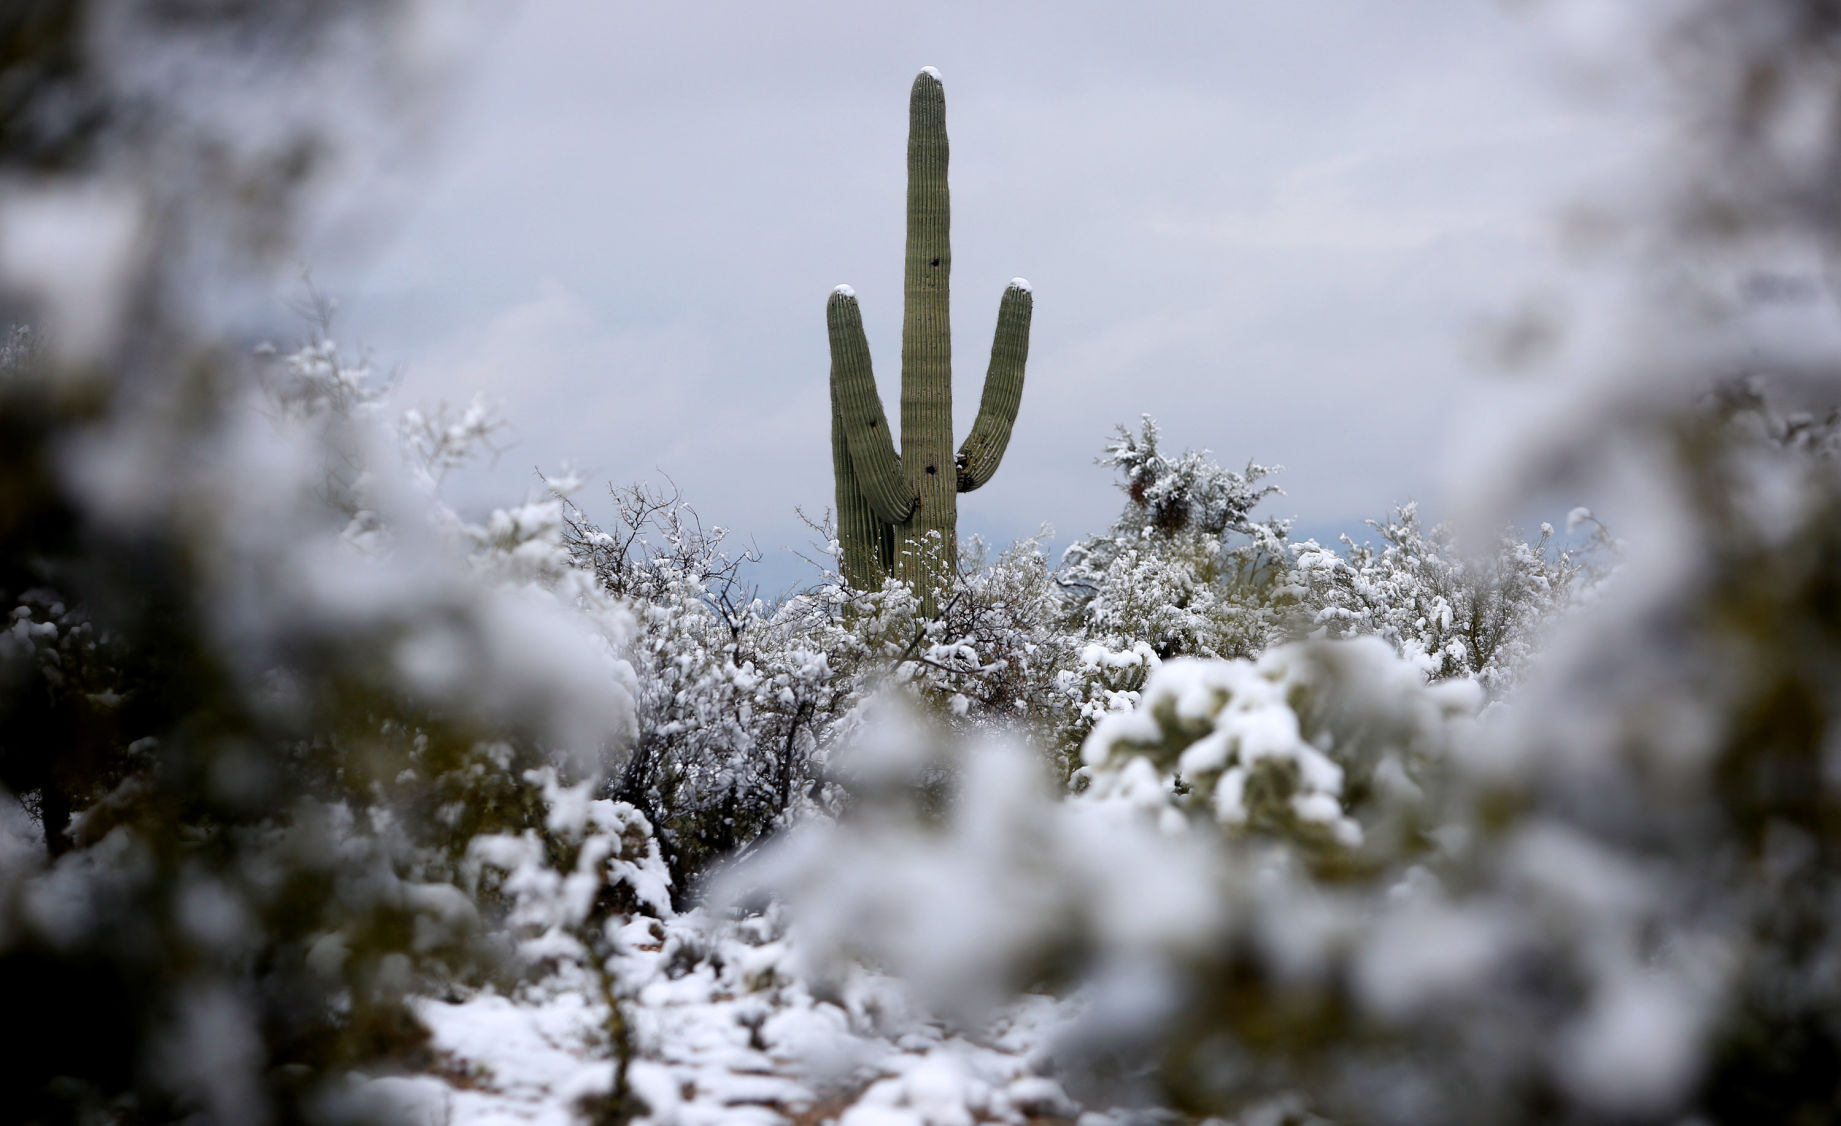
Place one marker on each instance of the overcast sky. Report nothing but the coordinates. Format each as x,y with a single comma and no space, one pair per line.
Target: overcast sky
1282,229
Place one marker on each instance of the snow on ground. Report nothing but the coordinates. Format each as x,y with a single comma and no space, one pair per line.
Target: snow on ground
723,1032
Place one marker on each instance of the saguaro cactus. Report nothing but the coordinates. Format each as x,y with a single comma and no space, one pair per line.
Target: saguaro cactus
897,513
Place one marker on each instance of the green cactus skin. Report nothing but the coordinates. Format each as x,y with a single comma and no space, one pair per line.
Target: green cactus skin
1003,391
898,514
871,504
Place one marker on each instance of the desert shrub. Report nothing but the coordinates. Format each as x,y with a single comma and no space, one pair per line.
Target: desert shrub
1453,612
1186,568
255,728
1330,746
734,698
1313,880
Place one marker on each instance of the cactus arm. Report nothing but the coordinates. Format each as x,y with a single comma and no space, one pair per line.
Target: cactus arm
864,551
1003,390
857,410
926,341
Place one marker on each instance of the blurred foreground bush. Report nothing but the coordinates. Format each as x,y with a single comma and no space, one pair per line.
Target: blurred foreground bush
258,689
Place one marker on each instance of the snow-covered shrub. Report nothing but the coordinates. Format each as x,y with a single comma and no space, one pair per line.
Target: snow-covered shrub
967,900
1186,568
996,646
733,697
259,688
1632,861
1451,612
1322,743
995,656
260,743
1136,893
740,701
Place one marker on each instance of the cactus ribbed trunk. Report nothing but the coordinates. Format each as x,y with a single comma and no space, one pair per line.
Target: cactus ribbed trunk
929,542
898,513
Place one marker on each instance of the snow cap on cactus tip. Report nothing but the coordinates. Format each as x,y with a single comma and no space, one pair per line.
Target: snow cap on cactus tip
933,74
1020,283
844,291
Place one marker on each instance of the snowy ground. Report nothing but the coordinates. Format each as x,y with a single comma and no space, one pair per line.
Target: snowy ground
724,1031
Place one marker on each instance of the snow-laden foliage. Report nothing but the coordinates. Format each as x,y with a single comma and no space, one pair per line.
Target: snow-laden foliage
258,689
1003,887
734,698
996,655
1597,902
741,702
1316,742
1451,612
259,744
1186,568
1188,571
